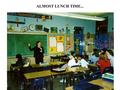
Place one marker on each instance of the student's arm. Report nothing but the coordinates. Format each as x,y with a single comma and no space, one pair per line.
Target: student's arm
98,63
87,63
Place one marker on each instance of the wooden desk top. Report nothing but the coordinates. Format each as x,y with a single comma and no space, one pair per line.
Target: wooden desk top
105,84
47,64
48,73
93,65
56,63
77,69
39,74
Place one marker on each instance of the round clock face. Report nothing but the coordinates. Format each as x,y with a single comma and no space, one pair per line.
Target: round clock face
32,27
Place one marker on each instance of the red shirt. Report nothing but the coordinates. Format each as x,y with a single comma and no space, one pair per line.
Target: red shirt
103,64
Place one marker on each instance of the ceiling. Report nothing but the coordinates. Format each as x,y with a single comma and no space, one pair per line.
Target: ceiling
91,13
78,15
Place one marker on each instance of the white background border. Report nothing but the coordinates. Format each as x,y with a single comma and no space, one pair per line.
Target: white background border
30,6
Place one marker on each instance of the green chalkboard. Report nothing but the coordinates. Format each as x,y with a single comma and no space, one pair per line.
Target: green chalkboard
18,43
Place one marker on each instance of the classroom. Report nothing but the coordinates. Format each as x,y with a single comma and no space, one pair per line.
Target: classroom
60,51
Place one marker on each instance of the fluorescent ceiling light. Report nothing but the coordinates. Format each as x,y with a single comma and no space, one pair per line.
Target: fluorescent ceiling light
79,16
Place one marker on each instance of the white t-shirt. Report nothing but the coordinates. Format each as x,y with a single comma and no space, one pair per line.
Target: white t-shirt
72,62
111,60
83,63
93,59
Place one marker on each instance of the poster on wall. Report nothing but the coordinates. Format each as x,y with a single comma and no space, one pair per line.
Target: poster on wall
52,41
60,38
60,47
52,49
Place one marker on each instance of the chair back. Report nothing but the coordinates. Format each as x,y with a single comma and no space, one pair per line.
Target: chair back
108,70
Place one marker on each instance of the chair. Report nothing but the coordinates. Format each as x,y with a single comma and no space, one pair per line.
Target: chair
64,58
95,74
84,85
77,75
26,69
108,70
37,84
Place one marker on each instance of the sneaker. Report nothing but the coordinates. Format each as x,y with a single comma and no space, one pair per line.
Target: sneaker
75,79
44,89
63,80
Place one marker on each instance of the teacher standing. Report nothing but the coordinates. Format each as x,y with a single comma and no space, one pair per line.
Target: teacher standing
38,52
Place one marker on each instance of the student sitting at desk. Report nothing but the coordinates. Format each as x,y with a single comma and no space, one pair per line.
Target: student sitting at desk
94,57
81,61
19,62
103,61
109,54
71,62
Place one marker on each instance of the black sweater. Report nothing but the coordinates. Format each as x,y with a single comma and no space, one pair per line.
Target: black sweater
38,52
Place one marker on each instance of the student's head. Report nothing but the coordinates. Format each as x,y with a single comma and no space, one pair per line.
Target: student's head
79,57
103,56
19,57
38,44
95,52
72,53
71,57
104,50
85,57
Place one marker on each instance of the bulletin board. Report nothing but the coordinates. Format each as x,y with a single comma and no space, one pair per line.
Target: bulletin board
56,44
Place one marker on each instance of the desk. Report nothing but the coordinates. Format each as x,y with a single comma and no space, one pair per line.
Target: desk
105,84
41,74
93,67
55,57
56,63
48,64
49,74
64,58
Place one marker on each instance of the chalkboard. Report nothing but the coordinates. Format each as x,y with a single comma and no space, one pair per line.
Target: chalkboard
18,43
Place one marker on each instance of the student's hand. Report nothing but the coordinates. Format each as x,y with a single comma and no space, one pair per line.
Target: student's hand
40,49
29,45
